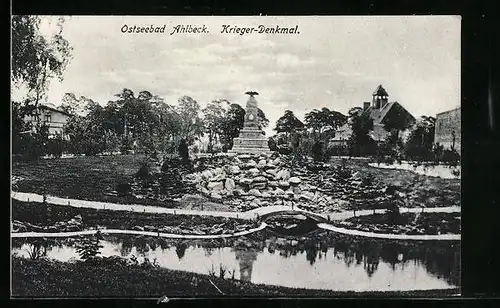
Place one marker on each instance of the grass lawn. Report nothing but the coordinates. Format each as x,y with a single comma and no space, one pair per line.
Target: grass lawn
86,178
423,190
48,278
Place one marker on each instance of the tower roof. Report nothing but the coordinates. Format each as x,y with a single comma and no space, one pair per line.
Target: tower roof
380,91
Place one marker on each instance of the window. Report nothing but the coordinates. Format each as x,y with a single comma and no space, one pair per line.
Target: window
47,118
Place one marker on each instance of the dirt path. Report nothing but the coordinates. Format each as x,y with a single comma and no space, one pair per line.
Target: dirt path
30,197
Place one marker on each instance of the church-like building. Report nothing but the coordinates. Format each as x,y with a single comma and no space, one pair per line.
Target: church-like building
381,111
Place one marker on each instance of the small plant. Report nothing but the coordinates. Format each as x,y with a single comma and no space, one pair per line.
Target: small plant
88,248
222,271
211,272
36,250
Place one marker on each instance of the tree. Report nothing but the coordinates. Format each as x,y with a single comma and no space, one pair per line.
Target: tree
261,119
361,124
288,124
76,106
324,120
36,59
420,142
214,115
191,125
231,125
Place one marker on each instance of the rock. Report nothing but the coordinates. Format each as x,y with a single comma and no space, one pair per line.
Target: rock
259,179
235,169
279,192
244,156
78,217
207,174
258,185
266,195
218,171
255,192
272,183
284,184
277,161
251,163
245,181
215,186
262,163
272,172
270,167
306,195
204,191
149,228
253,171
283,175
215,195
218,178
230,185
294,180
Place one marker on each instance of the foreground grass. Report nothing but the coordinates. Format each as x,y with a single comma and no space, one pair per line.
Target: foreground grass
423,190
47,278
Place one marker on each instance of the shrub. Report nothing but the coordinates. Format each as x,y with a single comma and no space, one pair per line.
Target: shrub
123,189
450,157
56,146
317,151
143,172
273,146
88,248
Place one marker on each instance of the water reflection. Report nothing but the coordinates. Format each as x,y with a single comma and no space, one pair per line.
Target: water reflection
320,262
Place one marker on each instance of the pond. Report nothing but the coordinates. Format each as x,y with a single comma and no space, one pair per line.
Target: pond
315,261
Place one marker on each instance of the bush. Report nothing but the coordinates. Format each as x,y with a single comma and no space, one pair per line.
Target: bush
56,146
273,146
143,172
450,157
317,151
88,248
123,189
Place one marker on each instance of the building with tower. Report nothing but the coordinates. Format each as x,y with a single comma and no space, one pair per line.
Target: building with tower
381,111
251,138
447,130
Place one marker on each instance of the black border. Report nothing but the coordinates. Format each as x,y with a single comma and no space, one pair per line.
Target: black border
480,53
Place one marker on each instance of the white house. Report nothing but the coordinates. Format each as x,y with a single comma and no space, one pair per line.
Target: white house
54,118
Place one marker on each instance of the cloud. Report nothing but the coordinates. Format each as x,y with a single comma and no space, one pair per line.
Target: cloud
335,62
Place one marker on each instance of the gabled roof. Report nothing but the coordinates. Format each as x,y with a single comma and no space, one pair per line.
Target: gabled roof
378,115
53,109
380,91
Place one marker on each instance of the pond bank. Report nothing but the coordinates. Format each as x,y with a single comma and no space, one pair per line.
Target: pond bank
404,237
135,232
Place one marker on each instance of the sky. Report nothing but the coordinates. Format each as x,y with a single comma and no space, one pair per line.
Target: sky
335,62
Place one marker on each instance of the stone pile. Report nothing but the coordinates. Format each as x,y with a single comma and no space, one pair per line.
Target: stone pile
248,181
74,224
202,229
